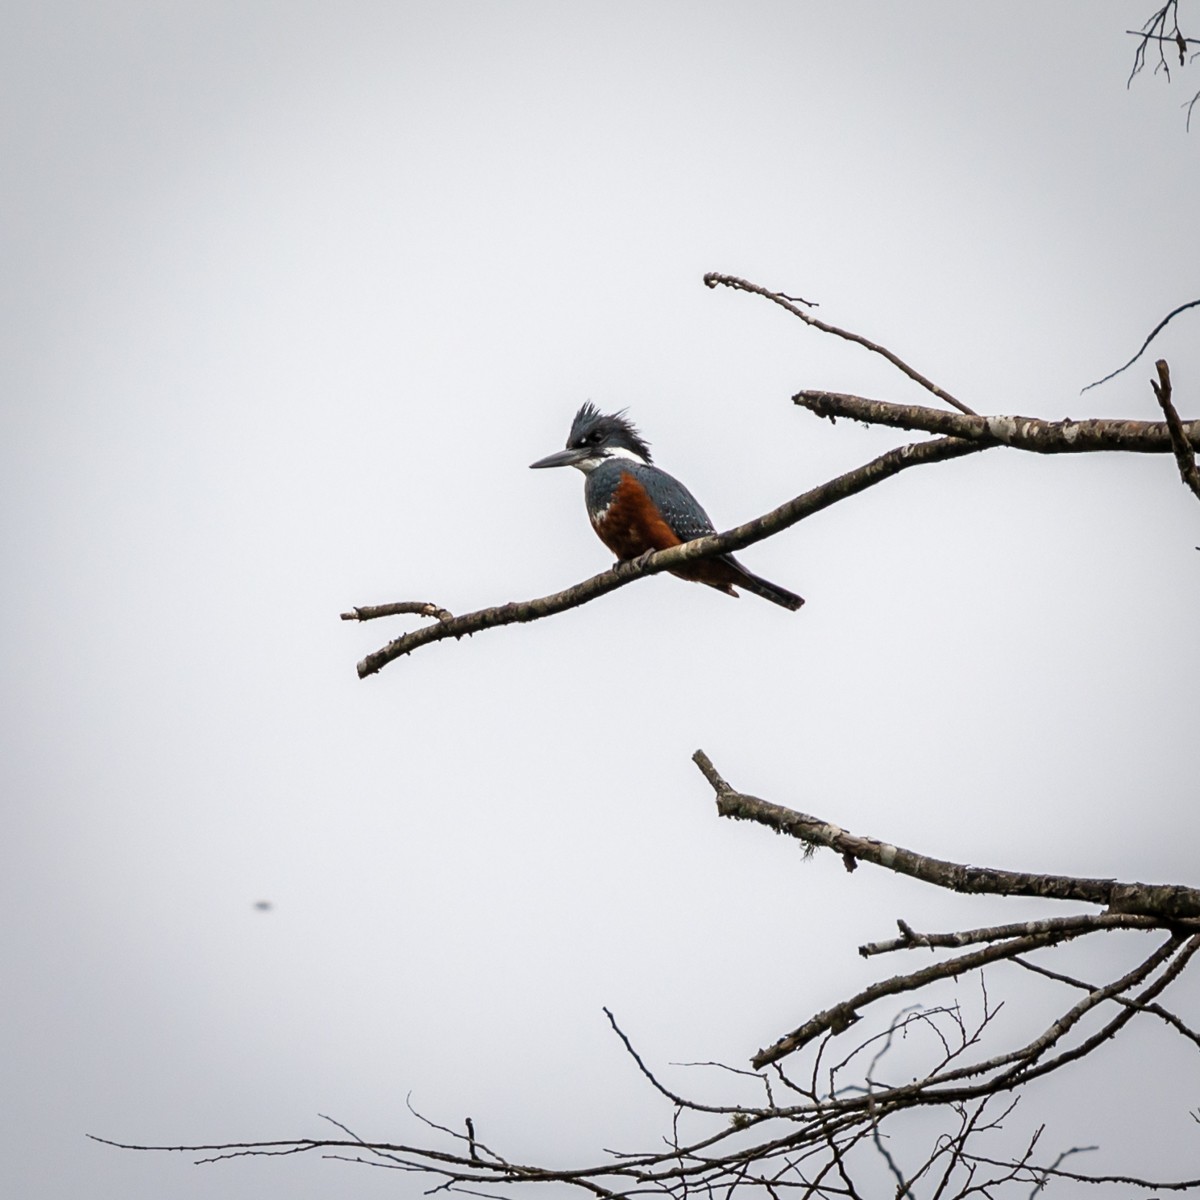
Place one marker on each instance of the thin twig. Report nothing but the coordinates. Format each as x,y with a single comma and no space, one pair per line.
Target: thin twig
714,279
675,1099
1153,334
1036,1065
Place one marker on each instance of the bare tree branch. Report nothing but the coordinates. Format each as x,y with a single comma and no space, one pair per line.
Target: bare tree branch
1021,433
963,432
1157,33
1175,947
1164,902
419,608
1154,1185
714,279
822,1146
1081,923
1153,334
1156,1010
1154,32
814,1149
849,1114
1173,907
844,1014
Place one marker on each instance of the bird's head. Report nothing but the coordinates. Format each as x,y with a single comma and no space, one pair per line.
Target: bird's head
595,438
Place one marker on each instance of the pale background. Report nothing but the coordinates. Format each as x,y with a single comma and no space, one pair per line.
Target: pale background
292,294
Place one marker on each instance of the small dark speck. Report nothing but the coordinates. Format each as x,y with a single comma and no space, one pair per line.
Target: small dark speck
263,905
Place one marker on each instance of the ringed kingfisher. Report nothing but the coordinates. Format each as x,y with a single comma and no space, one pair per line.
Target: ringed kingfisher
635,507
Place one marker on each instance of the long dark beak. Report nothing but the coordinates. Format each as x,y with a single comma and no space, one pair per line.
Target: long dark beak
563,458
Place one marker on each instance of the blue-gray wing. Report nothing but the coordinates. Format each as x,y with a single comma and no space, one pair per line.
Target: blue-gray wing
678,507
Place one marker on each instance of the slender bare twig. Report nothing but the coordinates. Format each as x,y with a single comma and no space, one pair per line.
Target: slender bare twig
1062,1157
1142,349
714,279
675,1099
814,1147
1156,32
769,1148
1015,1068
963,432
804,505
1139,1181
1036,1065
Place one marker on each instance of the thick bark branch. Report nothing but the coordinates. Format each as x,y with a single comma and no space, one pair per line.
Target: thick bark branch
1168,903
1181,444
1022,433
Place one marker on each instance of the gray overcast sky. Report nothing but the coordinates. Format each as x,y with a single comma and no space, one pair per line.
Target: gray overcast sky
293,293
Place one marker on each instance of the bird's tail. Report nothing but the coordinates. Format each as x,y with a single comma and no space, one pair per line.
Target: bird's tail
750,582
725,573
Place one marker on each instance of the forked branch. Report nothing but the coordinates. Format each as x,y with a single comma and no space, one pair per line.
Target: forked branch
1174,907
1181,439
830,1132
716,279
828,1127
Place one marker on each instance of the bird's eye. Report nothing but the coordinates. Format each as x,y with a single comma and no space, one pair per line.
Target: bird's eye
594,436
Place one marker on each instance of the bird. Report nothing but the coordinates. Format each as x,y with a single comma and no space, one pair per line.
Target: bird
636,507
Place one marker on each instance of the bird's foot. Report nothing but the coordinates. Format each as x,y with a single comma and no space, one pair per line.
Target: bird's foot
628,565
